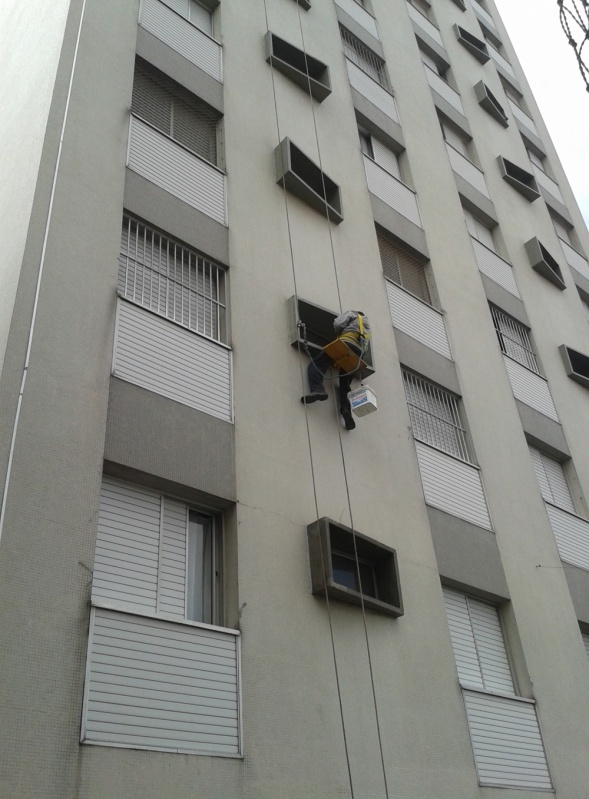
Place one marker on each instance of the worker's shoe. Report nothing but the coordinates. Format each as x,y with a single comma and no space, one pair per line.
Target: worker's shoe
316,396
348,418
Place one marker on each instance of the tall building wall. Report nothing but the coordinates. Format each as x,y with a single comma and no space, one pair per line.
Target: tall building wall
161,412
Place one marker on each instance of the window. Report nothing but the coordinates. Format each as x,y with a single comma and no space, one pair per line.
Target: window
522,181
364,58
576,365
423,6
157,604
475,46
195,12
432,63
543,263
505,735
490,103
561,231
299,175
552,480
380,154
350,567
435,417
307,72
585,303
456,138
175,112
172,280
479,230
514,339
403,266
537,160
306,4
585,637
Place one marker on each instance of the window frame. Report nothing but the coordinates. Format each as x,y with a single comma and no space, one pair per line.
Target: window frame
518,335
365,59
398,250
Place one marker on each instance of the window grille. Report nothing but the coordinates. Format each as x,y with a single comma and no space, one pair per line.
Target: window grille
401,266
172,280
435,418
186,119
514,339
364,58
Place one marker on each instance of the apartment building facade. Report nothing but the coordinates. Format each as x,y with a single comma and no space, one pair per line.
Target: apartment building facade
209,589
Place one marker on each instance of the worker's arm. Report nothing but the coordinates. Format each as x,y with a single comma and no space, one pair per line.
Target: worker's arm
343,320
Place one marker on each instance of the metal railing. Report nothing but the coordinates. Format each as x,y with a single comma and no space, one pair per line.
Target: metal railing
514,339
364,58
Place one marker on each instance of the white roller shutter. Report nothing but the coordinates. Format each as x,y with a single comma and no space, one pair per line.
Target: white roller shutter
172,573
386,158
477,229
553,484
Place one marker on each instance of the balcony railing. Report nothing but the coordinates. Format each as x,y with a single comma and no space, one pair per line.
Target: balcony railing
493,266
418,319
359,14
182,36
467,170
179,171
424,23
572,536
391,191
575,259
372,91
444,89
547,183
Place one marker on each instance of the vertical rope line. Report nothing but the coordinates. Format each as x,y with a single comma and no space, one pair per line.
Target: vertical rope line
293,270
368,652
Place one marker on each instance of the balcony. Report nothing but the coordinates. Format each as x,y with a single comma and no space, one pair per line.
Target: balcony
493,266
426,26
467,170
392,191
575,259
418,319
183,37
176,169
530,388
547,183
372,91
452,485
571,533
359,14
444,89
522,117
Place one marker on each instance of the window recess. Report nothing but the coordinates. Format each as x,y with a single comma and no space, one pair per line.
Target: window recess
306,4
364,58
435,416
199,14
403,266
543,263
514,339
307,72
522,181
576,365
585,637
460,3
552,480
172,280
475,46
487,100
299,175
351,567
173,111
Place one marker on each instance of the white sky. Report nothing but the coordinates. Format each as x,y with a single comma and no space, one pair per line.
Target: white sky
552,71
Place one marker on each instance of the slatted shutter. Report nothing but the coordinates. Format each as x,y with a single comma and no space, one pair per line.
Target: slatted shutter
401,266
477,229
477,640
561,231
454,138
514,339
183,117
364,58
386,158
172,567
552,480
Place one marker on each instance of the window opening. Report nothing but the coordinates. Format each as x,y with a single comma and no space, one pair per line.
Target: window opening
402,266
435,417
364,58
345,572
514,339
552,480
479,230
203,563
171,280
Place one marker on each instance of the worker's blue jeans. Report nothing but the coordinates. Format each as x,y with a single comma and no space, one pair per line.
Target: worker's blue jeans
317,370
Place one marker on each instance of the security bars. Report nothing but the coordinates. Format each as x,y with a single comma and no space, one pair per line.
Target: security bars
514,339
171,280
364,58
435,418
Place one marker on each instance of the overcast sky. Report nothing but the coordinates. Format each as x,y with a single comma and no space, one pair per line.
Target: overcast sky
553,74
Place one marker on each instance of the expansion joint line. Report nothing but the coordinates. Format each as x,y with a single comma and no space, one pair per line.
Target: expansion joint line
348,496
313,478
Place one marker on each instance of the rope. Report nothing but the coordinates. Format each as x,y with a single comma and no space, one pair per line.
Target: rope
576,16
316,502
368,652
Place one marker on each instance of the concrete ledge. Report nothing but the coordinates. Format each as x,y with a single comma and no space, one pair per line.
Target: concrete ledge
505,300
449,111
431,46
169,444
179,69
175,217
474,197
425,361
555,204
399,225
581,282
377,122
578,582
542,432
468,556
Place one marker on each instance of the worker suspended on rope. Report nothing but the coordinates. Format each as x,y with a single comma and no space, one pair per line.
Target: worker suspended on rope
346,352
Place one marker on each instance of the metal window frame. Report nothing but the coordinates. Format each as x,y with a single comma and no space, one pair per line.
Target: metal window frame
510,329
